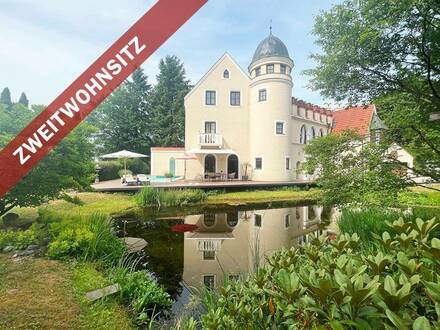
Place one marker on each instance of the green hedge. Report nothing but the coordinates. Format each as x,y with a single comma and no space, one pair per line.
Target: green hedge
110,168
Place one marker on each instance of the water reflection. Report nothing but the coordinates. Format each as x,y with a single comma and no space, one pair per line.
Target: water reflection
214,246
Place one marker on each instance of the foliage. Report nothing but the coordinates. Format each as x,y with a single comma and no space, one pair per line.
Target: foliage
69,166
5,97
351,170
336,285
367,223
109,169
420,198
19,239
74,200
156,197
123,118
86,238
167,103
140,289
123,172
387,50
23,100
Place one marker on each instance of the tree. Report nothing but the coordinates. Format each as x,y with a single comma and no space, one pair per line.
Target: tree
69,166
386,51
167,103
5,97
23,100
351,170
123,119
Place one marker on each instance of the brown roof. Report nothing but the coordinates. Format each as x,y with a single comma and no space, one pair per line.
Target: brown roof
311,107
357,118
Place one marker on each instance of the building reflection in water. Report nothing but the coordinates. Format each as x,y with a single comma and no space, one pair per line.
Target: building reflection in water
234,244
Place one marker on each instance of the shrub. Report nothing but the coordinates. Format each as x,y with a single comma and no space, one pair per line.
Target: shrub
110,168
121,173
19,239
88,238
337,285
373,221
74,200
141,291
155,197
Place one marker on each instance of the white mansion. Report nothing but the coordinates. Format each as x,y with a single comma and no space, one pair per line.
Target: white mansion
248,124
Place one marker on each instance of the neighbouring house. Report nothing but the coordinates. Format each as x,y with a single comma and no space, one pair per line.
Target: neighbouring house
247,124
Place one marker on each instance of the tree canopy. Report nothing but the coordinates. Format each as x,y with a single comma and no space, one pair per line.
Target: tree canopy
23,100
5,97
69,166
351,170
387,52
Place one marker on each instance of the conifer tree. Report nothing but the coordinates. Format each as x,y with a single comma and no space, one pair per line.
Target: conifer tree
23,100
167,103
5,97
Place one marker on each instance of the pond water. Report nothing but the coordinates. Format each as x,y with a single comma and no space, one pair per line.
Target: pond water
189,251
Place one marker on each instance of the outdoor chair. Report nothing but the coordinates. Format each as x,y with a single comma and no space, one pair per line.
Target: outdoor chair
210,176
129,180
143,179
231,176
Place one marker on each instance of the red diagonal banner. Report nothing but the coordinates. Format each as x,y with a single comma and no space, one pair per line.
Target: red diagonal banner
92,87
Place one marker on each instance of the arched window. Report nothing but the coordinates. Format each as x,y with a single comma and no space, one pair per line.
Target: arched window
172,166
226,74
312,133
321,132
303,135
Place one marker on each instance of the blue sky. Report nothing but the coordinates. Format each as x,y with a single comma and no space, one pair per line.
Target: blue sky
46,44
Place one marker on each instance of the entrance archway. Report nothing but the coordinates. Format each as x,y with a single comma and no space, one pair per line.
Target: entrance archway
210,164
233,166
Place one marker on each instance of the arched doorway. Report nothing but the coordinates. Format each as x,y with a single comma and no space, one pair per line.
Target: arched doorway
210,164
172,166
233,167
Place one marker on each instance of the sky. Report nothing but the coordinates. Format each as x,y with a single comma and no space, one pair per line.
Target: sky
46,44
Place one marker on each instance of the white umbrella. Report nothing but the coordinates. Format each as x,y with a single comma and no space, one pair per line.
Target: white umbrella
124,154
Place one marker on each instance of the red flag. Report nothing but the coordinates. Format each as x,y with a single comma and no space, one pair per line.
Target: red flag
92,87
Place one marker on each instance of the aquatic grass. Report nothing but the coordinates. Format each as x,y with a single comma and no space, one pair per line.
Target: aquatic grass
154,197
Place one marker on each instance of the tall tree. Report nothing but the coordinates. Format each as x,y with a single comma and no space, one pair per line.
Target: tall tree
386,51
167,103
123,119
69,166
5,97
23,100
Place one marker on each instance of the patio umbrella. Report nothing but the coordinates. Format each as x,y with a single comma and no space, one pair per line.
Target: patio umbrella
124,154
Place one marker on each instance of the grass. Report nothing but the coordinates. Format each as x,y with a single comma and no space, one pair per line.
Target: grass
288,194
36,293
154,197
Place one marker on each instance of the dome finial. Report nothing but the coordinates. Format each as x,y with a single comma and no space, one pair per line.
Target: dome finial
270,27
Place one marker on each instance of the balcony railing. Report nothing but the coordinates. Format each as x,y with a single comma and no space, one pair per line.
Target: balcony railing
209,245
210,140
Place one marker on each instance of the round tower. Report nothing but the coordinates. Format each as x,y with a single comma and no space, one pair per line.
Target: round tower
270,112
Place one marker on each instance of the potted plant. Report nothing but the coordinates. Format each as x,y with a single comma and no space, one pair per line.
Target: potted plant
246,167
169,176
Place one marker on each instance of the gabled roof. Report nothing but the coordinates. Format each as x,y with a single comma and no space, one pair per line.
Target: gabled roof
356,118
224,56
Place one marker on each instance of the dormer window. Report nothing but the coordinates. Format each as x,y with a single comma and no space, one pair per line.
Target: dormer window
226,74
270,68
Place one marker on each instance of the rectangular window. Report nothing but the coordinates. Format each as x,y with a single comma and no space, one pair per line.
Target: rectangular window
258,163
210,98
208,255
270,68
288,163
287,220
257,72
262,95
283,69
235,98
210,127
209,281
279,128
258,220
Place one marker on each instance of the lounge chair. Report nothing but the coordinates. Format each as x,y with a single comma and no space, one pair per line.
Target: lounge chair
129,180
143,179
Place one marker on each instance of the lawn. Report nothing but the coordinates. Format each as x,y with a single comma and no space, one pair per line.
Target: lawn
37,293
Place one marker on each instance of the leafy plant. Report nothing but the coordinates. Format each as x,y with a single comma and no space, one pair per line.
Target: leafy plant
338,285
155,197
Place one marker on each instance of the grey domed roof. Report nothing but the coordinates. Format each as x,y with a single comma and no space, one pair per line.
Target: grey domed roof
269,47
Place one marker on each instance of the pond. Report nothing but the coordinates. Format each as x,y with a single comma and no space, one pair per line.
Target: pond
193,249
